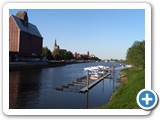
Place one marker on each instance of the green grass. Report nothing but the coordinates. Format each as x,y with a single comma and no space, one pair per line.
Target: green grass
125,96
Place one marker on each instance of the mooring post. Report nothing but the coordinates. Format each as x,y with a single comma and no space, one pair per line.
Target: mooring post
87,80
114,71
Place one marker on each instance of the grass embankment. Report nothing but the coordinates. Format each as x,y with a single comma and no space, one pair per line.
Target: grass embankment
133,80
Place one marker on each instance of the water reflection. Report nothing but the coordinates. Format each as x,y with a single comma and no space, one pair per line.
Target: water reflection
87,99
34,88
103,86
22,86
29,80
13,88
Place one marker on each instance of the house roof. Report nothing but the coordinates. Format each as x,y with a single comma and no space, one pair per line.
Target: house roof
31,29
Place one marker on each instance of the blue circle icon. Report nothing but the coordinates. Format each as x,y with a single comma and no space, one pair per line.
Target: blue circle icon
147,99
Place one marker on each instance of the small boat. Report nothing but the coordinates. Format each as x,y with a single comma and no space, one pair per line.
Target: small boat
95,72
100,67
95,76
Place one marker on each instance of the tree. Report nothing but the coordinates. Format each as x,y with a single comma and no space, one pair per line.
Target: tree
56,54
60,54
68,55
46,53
136,54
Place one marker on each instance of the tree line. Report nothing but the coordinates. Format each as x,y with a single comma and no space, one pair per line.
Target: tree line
136,54
60,54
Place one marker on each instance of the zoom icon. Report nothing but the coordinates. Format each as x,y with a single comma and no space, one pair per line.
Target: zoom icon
147,99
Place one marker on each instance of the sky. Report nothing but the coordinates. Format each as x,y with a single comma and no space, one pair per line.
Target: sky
106,33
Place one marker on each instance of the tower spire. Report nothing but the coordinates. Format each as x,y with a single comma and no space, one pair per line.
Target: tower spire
55,42
55,45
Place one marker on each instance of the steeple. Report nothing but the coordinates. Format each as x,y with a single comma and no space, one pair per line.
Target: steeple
55,45
88,54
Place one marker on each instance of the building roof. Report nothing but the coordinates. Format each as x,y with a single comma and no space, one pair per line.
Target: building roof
31,29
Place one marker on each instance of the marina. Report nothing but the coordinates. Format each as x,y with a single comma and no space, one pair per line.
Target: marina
63,87
80,85
94,75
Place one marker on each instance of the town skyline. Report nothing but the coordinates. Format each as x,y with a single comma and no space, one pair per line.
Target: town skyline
105,33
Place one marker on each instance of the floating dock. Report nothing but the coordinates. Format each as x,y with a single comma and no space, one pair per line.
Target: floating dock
86,88
81,85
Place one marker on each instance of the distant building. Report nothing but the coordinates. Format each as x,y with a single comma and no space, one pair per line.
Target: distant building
77,56
25,39
83,56
56,46
92,56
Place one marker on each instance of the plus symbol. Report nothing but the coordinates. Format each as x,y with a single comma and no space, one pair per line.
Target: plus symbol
147,99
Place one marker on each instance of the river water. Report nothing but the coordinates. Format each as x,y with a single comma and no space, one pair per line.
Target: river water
35,88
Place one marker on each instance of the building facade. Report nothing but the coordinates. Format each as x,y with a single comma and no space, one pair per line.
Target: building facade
25,39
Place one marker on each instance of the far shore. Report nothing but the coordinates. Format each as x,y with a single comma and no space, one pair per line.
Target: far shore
41,64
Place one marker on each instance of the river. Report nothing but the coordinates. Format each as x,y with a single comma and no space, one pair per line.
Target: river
35,88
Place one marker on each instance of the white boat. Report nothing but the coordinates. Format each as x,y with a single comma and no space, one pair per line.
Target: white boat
100,67
96,72
91,68
95,76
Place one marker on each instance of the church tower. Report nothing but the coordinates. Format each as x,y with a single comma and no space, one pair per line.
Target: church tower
55,45
88,54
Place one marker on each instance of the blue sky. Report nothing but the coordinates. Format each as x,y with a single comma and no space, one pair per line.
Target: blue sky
106,33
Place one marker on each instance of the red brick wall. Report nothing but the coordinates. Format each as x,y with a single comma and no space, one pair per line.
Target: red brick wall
37,45
30,44
13,36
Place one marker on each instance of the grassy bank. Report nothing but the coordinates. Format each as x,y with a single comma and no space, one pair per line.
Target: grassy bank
133,80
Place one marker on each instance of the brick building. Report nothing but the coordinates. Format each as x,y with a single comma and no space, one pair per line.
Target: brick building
25,40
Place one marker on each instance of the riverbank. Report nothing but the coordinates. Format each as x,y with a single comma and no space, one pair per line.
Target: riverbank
36,64
133,80
27,65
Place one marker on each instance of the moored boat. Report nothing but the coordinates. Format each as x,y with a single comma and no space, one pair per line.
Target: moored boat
95,72
99,67
95,75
